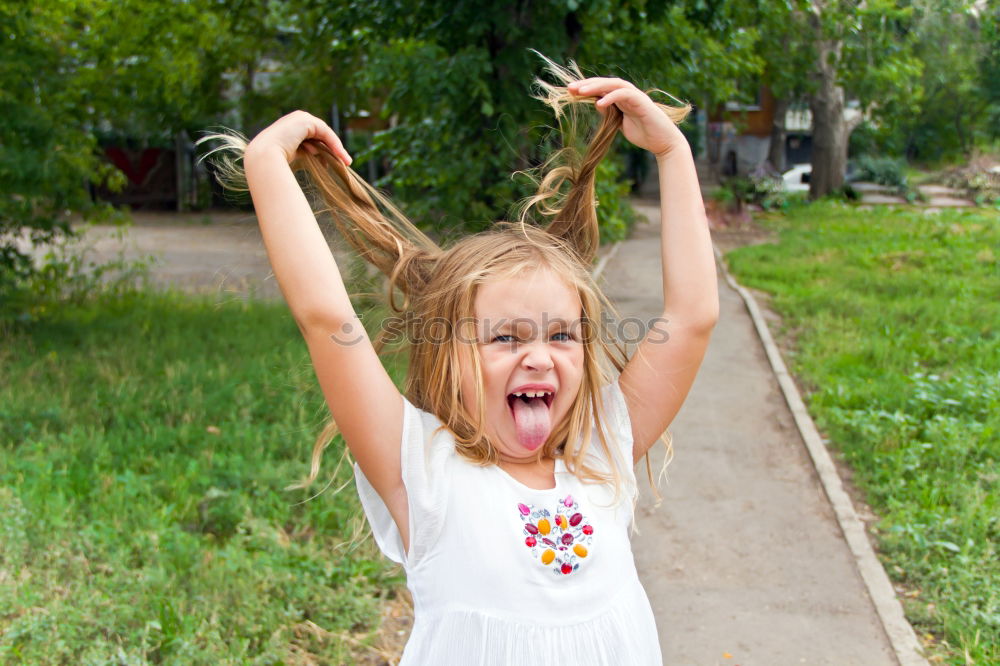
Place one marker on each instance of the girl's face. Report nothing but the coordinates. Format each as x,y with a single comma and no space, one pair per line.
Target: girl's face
531,352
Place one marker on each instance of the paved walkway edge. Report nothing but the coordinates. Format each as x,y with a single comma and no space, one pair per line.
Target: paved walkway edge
603,261
890,610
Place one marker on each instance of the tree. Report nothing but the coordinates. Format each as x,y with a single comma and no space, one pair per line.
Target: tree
78,70
831,130
451,78
828,50
989,66
945,110
786,56
454,78
47,155
866,49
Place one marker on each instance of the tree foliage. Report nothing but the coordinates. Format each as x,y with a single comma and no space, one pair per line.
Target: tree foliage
921,71
940,102
827,52
454,80
75,72
989,67
450,82
47,155
451,79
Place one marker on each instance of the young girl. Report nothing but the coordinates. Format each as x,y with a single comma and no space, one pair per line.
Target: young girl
503,481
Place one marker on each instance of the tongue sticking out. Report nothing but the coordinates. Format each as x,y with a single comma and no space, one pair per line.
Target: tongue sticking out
532,421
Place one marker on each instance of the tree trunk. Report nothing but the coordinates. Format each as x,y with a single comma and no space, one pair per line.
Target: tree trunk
776,152
830,132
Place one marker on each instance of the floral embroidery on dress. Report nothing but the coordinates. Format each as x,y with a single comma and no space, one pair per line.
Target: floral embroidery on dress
561,541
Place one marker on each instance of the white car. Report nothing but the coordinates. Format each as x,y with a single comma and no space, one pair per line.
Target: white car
797,178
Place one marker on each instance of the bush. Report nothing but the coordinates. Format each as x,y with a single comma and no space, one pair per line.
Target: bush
66,276
977,180
763,187
888,171
768,189
614,213
865,140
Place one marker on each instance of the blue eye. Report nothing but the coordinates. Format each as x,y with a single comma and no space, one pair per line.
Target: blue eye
504,338
562,337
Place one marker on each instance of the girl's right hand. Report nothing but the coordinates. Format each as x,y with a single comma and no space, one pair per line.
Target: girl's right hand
294,132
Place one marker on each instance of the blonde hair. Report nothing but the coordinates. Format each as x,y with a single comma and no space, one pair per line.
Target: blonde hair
428,283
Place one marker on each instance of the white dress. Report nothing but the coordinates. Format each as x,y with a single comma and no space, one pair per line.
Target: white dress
506,574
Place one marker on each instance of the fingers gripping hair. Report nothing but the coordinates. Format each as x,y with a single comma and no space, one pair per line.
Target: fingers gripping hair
371,224
573,213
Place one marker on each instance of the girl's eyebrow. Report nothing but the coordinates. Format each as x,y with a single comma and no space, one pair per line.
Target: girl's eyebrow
503,327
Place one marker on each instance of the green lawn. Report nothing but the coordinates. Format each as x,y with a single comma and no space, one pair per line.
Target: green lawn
893,319
145,442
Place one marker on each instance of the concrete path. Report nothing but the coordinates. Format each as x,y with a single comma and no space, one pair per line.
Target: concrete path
744,561
221,253
935,196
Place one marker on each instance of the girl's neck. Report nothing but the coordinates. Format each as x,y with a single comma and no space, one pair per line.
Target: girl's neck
537,474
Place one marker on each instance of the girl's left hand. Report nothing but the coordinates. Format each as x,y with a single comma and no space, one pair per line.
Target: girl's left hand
645,125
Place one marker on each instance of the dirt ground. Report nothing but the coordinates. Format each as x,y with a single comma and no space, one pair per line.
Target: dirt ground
220,252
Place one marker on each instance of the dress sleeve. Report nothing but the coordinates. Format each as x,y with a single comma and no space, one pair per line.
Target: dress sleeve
426,450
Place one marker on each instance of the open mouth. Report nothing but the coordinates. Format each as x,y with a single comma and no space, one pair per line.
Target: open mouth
530,411
528,396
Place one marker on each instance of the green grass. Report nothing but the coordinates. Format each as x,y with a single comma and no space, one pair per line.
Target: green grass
145,442
892,317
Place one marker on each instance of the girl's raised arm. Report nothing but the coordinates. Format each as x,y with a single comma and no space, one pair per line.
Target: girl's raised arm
365,403
658,377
